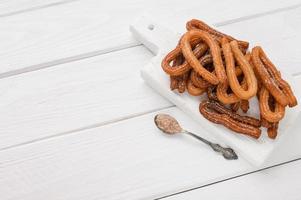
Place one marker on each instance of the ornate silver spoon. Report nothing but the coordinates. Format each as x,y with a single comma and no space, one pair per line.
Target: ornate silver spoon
169,125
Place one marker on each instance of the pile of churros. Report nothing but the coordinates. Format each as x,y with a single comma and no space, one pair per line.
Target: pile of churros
206,61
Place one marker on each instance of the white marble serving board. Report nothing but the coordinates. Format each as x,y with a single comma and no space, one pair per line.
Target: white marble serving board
160,40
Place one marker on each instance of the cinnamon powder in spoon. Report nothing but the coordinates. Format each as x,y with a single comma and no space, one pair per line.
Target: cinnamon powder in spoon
167,124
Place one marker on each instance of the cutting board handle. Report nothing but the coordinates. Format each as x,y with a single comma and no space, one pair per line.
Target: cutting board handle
157,38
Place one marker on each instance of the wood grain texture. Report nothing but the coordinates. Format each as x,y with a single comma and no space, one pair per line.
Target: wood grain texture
131,159
55,106
77,95
13,7
123,160
282,182
62,33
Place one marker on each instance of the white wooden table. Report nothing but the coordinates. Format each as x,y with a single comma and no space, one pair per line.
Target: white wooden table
77,119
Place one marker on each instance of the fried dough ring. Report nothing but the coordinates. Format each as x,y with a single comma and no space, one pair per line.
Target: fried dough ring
196,79
265,123
222,87
223,95
175,81
232,51
226,120
183,78
194,62
182,82
271,78
200,25
265,110
273,130
284,86
235,106
193,90
224,110
244,105
211,94
241,91
198,51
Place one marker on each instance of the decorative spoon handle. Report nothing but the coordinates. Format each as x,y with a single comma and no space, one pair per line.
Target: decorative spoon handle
228,153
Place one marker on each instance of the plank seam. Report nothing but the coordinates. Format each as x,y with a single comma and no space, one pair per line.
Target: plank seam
36,8
107,51
86,55
227,179
245,18
67,60
92,126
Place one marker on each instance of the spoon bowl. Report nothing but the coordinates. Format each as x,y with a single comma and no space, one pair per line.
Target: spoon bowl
169,125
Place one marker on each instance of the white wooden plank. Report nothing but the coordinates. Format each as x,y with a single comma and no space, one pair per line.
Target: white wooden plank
62,33
282,182
71,172
40,120
12,7
131,159
80,94
111,163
